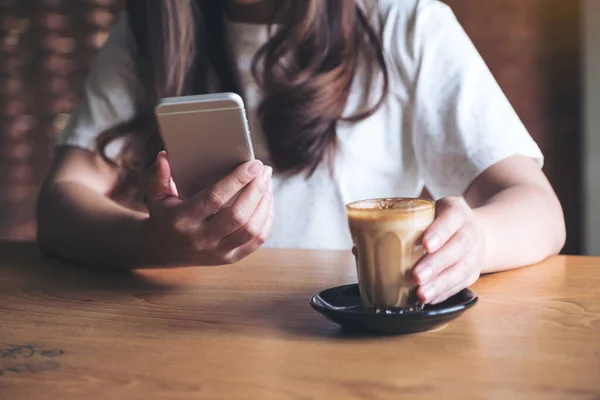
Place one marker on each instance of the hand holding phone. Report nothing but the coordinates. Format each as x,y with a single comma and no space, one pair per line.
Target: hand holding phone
201,230
206,137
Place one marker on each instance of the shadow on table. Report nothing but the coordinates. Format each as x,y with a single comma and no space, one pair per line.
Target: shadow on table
25,268
176,307
290,315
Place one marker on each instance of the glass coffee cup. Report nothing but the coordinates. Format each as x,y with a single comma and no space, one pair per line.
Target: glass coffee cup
387,235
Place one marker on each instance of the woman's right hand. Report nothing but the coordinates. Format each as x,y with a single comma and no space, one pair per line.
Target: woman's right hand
203,230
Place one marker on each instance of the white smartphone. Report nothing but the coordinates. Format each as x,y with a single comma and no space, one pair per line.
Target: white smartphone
206,137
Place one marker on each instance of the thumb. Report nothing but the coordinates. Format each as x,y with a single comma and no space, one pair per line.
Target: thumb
161,185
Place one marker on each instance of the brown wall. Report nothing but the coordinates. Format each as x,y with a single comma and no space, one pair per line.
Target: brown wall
532,47
45,51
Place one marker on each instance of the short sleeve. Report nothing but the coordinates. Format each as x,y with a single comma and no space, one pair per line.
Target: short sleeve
112,93
462,122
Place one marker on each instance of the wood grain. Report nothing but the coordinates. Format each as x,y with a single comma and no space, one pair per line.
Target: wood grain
247,332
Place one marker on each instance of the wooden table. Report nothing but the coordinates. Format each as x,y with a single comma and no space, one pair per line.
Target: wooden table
248,332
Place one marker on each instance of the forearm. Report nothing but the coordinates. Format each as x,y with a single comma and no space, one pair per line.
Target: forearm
522,225
82,225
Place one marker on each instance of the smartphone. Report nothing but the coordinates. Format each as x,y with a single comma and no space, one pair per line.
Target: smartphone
206,137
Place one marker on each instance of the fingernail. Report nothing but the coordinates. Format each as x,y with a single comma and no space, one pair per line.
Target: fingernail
429,293
255,168
266,174
270,186
433,242
424,273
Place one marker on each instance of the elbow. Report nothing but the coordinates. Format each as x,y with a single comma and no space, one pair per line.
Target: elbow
43,216
557,226
40,218
550,241
551,231
561,234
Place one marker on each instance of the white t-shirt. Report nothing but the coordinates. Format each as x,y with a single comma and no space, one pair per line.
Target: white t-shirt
445,122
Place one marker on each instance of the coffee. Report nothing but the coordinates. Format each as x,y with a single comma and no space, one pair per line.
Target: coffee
387,235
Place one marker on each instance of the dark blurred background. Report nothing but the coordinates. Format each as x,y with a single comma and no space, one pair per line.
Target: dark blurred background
533,47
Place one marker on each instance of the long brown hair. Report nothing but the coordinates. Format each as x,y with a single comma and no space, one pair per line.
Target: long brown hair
306,71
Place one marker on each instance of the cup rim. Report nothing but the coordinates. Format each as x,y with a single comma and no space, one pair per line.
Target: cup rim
425,204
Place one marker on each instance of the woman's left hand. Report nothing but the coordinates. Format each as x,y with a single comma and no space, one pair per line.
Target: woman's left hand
455,249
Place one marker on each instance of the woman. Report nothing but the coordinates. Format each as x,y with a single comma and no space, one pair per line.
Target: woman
346,100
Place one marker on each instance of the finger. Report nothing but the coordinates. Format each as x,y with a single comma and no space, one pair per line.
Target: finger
252,231
211,200
448,283
252,246
449,220
229,220
160,184
456,289
453,250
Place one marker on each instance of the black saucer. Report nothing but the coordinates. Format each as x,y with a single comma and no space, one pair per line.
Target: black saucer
344,306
